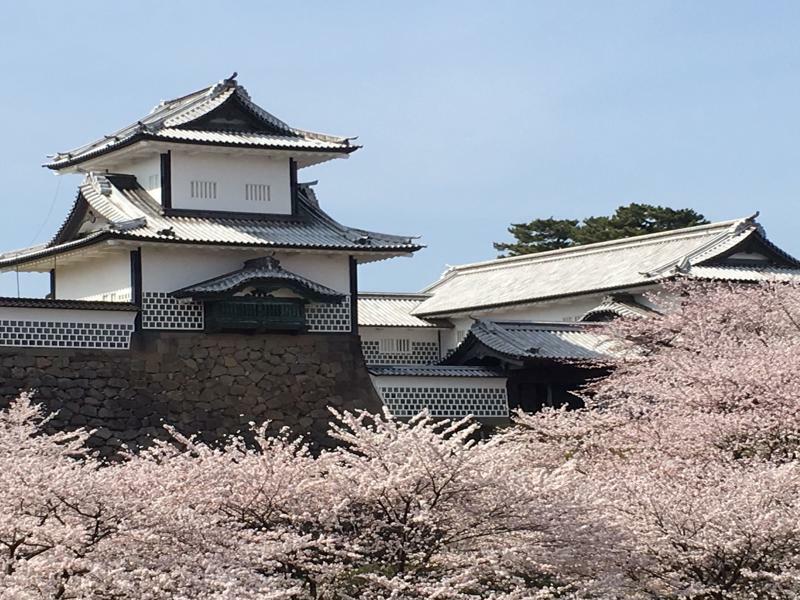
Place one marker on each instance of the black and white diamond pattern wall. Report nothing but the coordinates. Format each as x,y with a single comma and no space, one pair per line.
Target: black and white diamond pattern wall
328,317
422,353
65,334
161,311
444,401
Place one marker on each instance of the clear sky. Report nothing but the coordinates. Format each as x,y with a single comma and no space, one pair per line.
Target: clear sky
472,114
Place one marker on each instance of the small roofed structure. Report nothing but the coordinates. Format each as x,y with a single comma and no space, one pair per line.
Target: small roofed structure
392,335
546,363
618,305
261,296
519,342
262,276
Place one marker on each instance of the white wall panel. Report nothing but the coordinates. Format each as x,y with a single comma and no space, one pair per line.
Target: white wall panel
106,277
231,175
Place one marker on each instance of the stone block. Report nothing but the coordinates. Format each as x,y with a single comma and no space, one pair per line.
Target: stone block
213,383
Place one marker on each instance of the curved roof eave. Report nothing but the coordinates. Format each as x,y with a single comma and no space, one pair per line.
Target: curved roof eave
106,235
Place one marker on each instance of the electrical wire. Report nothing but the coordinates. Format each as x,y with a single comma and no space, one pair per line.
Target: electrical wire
49,213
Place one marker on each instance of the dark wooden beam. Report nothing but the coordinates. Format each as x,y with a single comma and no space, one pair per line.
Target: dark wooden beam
166,179
353,296
228,214
136,284
53,284
293,184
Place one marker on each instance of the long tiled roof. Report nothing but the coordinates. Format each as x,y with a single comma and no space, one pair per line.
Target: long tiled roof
132,214
434,371
745,273
390,310
529,340
265,270
172,121
66,304
606,266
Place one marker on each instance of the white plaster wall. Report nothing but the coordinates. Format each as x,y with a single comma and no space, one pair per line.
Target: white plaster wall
331,270
117,317
452,337
148,174
231,173
558,310
168,269
106,277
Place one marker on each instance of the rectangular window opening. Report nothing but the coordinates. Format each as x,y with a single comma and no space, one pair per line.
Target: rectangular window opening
257,192
395,346
203,190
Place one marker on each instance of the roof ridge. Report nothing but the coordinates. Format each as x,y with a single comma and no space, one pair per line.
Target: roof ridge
142,123
540,323
395,295
638,240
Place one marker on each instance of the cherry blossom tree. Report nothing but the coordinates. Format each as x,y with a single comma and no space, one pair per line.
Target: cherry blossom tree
691,446
51,519
399,510
680,479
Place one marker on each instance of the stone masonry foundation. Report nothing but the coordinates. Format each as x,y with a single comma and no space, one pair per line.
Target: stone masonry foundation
213,385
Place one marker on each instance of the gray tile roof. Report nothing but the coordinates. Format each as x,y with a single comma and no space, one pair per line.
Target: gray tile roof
528,340
434,371
744,273
606,266
171,121
266,270
134,215
390,310
66,304
619,305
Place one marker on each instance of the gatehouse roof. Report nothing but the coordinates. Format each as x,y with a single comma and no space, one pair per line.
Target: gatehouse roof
222,114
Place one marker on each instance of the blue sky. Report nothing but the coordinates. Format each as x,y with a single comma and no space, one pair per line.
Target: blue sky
473,114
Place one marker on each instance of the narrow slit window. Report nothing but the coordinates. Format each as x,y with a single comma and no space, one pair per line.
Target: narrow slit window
395,346
203,190
257,192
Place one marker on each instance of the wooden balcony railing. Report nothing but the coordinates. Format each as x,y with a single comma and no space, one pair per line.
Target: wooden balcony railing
255,314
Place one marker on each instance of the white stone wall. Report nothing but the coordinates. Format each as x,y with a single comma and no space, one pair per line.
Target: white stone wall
449,397
230,174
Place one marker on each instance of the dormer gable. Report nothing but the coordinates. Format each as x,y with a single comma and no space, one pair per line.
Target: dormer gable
753,251
234,115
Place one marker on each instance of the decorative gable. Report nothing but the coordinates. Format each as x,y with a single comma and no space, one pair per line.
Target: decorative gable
754,251
233,115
